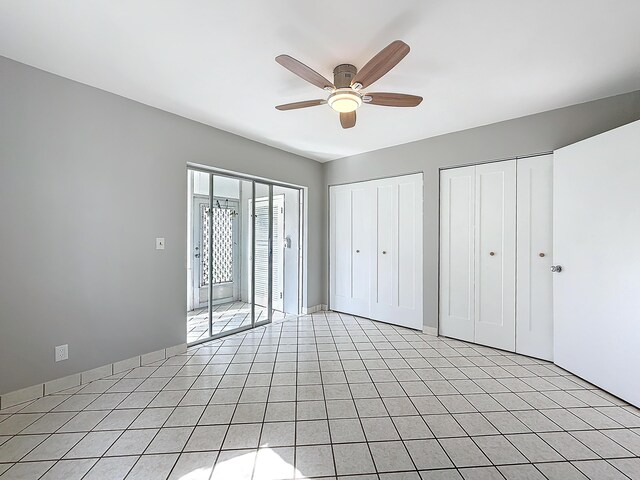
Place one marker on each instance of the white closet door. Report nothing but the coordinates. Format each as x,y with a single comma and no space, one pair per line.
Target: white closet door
457,258
349,243
495,259
534,325
396,280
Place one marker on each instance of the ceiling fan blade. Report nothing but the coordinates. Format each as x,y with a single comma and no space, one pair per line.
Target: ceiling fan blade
305,104
303,71
348,120
393,99
379,65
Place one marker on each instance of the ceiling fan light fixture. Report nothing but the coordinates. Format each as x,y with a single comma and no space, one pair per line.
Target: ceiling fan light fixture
344,100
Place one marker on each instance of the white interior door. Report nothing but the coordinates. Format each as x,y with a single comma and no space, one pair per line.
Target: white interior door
396,280
534,311
495,258
596,232
457,253
350,229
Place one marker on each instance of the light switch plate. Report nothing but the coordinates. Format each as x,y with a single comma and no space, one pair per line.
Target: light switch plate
159,243
62,352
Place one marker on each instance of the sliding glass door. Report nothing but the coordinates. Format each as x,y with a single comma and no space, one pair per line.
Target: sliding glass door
241,270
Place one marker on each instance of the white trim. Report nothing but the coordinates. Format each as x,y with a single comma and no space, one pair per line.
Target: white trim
124,365
314,309
96,374
64,383
176,350
430,330
152,357
34,392
23,395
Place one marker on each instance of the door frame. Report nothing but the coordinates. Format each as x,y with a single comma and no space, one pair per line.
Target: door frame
302,257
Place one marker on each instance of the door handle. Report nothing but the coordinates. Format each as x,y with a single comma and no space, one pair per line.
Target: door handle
492,254
357,251
197,255
556,268
384,252
541,255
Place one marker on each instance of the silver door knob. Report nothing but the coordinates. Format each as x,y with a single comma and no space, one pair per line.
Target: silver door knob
556,268
197,255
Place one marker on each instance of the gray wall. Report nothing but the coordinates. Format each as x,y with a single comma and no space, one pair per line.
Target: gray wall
527,135
88,179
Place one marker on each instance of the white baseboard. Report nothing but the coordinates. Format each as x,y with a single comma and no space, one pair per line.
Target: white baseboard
176,350
34,392
96,373
314,309
64,383
430,330
23,395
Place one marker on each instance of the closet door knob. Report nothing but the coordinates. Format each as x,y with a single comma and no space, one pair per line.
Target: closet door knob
541,254
384,252
357,251
492,253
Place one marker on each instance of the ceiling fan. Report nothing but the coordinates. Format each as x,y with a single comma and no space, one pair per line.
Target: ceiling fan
346,90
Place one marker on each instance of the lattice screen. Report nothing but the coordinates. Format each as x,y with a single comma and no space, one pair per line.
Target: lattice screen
220,228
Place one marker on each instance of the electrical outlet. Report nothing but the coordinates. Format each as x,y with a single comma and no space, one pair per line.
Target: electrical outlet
159,243
62,352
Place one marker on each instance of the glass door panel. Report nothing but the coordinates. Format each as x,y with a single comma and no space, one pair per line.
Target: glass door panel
228,311
198,259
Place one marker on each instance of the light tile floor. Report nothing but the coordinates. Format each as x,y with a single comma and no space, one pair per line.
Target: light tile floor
225,317
327,396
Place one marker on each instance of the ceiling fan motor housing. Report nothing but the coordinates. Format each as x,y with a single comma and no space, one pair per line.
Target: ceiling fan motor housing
343,75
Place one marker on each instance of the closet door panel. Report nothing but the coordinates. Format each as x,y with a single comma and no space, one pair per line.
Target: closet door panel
360,245
349,247
383,256
341,206
409,246
495,262
397,261
457,253
534,325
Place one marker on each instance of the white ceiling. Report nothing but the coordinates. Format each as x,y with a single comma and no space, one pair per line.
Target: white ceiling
474,62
